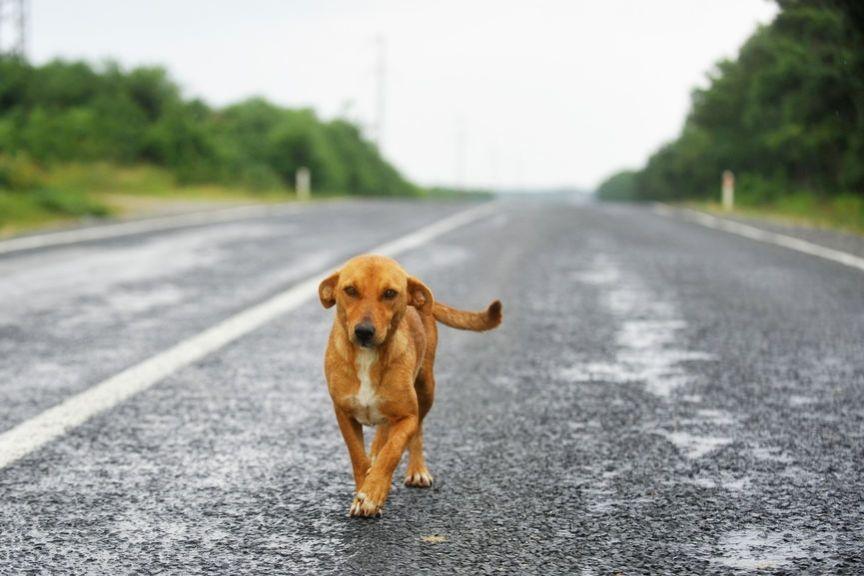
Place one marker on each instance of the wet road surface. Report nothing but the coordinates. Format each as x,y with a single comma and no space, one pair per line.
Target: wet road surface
661,398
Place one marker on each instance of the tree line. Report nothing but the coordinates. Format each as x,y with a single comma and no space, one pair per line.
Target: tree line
64,112
786,116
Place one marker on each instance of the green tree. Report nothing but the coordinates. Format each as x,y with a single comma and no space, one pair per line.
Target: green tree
619,186
72,111
787,115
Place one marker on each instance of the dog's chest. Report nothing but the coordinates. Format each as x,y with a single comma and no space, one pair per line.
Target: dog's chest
365,401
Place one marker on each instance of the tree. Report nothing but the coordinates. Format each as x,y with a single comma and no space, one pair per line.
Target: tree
786,115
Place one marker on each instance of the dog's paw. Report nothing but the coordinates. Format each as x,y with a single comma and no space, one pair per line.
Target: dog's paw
418,479
365,507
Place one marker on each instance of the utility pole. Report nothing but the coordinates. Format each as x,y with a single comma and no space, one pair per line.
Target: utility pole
381,89
13,19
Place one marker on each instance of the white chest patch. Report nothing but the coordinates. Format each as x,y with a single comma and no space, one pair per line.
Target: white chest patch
366,400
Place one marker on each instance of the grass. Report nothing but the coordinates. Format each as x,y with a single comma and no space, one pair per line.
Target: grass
844,213
21,211
69,192
35,197
101,179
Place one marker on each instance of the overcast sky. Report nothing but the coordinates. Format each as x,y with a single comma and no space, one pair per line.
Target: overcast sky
477,92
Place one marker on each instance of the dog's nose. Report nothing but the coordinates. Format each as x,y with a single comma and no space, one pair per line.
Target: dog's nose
364,332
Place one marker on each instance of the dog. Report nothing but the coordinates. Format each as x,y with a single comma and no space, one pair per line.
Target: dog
379,368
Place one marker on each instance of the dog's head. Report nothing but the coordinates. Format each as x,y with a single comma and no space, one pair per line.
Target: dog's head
370,294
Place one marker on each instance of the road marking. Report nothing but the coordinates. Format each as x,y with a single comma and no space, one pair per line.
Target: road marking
763,235
74,411
142,226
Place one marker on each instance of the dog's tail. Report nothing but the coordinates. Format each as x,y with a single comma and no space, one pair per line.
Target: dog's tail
464,320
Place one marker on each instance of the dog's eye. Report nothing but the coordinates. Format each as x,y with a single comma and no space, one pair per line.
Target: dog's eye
389,294
351,291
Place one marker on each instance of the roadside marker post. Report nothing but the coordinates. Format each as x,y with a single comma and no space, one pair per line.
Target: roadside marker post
303,183
728,190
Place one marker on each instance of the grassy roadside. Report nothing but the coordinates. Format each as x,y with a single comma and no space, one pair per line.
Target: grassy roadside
842,213
32,197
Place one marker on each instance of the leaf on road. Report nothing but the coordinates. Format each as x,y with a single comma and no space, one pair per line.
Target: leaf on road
433,539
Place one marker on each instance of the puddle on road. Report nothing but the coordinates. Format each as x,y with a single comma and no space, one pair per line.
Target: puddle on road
650,350
771,454
710,417
646,339
725,482
693,446
715,416
796,400
756,549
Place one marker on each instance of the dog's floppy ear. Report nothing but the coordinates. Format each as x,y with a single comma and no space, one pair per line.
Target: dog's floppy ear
420,296
327,290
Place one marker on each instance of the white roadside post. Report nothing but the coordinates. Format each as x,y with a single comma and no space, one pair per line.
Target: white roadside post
728,190
303,183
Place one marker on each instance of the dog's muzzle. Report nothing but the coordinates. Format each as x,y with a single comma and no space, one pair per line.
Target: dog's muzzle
365,334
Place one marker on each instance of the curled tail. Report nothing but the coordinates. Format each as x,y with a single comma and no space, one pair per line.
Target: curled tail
463,320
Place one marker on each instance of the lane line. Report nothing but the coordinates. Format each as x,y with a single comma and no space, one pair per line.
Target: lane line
763,235
75,410
142,226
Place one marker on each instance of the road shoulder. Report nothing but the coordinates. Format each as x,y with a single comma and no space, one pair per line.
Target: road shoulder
832,240
835,239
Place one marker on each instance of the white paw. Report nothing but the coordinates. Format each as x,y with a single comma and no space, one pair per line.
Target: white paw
419,480
364,506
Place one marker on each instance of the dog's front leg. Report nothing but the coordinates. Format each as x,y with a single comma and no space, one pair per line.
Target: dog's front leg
352,432
372,495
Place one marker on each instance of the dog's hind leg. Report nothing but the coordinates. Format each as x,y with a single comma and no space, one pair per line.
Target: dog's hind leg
418,475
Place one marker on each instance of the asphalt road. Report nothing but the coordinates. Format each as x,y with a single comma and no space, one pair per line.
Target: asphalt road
662,398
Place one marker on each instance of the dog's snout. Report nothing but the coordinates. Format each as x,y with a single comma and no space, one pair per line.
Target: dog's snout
364,332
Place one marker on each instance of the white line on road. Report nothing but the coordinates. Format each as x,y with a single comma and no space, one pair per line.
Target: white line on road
74,411
142,226
763,236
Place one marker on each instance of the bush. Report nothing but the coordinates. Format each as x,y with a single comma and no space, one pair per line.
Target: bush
19,173
755,189
73,113
69,204
620,186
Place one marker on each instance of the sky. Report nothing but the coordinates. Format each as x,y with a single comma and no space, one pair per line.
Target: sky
479,93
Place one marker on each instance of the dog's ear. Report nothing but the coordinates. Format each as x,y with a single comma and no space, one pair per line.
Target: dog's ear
327,290
420,296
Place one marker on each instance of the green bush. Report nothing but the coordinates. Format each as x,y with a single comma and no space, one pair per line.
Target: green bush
17,172
619,186
66,203
755,189
71,112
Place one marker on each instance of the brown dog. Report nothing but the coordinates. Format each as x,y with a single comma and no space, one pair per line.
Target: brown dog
379,368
